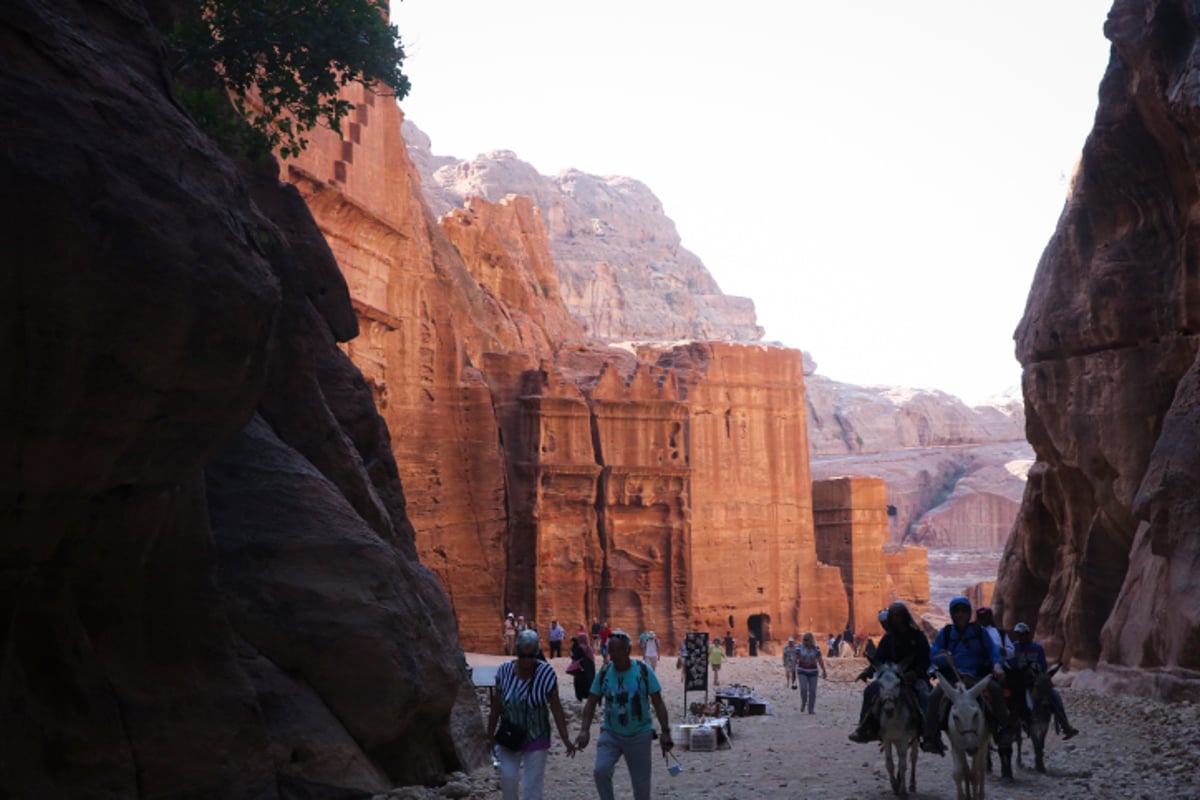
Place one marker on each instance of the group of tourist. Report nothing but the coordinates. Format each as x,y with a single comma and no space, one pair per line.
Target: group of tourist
514,624
525,700
965,651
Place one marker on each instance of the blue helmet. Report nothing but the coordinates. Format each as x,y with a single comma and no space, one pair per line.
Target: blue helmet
960,601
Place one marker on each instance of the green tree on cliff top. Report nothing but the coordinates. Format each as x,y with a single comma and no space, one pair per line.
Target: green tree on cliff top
297,55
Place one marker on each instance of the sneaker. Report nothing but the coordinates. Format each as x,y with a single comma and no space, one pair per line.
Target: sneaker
934,746
1069,732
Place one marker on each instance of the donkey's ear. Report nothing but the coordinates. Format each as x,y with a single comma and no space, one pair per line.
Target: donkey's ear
978,688
1053,670
951,690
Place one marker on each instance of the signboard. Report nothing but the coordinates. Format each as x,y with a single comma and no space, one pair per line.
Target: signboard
695,663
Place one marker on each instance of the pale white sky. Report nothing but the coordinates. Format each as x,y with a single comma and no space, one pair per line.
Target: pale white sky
879,177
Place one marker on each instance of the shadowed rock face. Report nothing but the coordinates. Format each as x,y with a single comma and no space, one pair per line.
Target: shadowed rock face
1106,550
208,583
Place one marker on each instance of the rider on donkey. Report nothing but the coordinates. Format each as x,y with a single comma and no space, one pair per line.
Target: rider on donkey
963,647
1028,652
902,644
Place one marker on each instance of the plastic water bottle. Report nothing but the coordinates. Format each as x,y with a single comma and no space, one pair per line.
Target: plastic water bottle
495,756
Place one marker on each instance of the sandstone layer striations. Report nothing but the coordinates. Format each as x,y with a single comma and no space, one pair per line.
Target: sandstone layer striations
1105,553
209,581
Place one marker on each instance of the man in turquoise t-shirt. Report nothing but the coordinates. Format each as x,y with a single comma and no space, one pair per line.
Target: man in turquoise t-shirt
628,689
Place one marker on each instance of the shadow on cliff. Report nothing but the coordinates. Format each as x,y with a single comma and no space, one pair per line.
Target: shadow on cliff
209,582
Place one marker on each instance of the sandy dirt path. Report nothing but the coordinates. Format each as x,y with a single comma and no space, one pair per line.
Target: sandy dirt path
1129,749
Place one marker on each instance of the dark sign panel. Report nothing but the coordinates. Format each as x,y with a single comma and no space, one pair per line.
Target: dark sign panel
695,662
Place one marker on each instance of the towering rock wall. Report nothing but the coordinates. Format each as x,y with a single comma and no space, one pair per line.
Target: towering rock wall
851,522
625,276
908,576
209,580
753,548
552,478
1105,552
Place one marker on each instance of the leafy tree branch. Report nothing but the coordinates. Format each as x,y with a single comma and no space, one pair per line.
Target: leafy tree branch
284,62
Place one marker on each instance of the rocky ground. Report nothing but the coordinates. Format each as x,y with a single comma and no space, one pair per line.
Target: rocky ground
1129,748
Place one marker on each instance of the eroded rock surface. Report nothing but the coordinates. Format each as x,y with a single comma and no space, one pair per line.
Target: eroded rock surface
209,579
1106,547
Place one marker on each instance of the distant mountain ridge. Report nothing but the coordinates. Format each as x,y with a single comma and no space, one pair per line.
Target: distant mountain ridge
622,269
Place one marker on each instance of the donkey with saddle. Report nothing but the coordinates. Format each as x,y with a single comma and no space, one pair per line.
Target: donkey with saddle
894,703
1033,700
964,653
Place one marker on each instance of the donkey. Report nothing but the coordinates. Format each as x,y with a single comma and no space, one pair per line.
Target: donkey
969,738
899,728
1036,712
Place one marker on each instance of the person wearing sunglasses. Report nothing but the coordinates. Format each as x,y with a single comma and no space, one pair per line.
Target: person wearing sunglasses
522,701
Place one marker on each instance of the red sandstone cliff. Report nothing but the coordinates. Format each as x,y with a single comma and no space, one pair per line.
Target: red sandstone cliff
955,474
1105,552
551,477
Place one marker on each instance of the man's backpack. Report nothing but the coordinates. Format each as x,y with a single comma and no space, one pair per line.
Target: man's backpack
643,682
972,628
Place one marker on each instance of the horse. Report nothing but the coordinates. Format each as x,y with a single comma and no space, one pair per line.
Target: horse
899,728
969,738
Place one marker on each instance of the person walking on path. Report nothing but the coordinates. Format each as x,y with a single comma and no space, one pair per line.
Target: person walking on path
605,632
582,654
651,650
629,690
789,662
808,660
524,697
556,636
716,657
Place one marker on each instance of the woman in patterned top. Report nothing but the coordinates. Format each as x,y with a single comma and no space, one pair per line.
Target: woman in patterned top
525,695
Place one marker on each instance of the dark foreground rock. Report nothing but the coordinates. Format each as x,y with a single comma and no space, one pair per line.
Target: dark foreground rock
208,584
